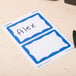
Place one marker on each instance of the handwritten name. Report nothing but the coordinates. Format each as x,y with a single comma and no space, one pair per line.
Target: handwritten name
22,30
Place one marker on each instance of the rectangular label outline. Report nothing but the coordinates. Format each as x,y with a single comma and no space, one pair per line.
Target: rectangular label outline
52,54
44,30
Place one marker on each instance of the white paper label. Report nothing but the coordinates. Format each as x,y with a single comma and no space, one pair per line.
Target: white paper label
39,40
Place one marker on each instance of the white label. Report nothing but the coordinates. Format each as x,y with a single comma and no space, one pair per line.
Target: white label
29,27
39,40
46,46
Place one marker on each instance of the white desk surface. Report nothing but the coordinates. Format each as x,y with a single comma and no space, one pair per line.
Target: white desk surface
12,61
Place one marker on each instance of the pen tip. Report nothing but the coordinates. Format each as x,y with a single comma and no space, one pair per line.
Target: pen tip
74,38
74,31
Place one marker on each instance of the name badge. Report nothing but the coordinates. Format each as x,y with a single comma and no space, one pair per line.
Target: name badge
38,38
29,27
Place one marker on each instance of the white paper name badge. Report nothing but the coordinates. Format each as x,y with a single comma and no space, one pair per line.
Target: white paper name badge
40,41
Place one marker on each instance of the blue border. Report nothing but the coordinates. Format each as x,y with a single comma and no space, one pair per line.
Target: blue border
44,30
50,55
